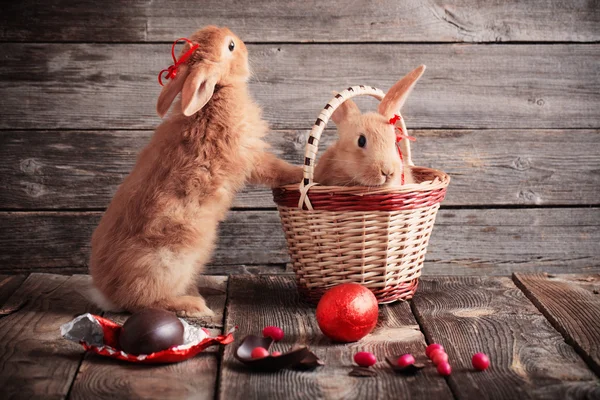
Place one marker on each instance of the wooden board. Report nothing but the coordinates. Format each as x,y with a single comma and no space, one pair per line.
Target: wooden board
464,242
35,360
8,285
306,21
255,302
82,169
108,86
529,359
572,304
196,378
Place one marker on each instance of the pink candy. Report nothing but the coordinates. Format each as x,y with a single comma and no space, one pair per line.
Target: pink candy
480,361
405,360
444,369
273,332
365,359
440,357
259,352
435,353
432,347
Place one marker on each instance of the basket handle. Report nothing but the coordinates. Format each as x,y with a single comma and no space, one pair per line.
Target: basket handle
312,145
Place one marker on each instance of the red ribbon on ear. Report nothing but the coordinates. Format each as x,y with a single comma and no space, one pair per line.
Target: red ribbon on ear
394,119
172,70
399,137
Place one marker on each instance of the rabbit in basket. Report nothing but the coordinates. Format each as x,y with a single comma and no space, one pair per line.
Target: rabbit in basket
366,153
161,226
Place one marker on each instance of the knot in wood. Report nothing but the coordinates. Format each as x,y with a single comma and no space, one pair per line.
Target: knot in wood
521,164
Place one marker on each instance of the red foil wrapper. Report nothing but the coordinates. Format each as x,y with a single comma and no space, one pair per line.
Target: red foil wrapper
101,336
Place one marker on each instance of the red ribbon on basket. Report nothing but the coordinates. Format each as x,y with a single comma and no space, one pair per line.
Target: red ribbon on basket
399,137
172,69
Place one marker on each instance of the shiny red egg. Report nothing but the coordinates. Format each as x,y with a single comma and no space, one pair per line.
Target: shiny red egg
347,312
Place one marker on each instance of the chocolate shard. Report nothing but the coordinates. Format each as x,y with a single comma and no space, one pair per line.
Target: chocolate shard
311,361
409,370
269,363
362,372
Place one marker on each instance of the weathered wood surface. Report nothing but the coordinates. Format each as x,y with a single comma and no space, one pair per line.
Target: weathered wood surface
8,285
255,302
572,304
102,378
304,21
488,167
464,242
110,86
529,359
35,361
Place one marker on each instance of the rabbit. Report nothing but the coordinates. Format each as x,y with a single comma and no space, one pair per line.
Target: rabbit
160,228
366,152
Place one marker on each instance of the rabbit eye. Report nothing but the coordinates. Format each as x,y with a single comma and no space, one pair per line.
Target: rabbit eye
362,141
231,45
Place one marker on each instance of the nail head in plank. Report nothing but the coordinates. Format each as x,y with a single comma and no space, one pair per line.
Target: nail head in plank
34,359
255,302
572,304
528,357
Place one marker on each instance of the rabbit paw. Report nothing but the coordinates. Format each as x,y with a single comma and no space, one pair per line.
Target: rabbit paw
189,306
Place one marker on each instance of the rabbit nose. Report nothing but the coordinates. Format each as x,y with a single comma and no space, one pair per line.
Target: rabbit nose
387,173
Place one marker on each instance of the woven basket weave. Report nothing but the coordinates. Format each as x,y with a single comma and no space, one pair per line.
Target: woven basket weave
374,237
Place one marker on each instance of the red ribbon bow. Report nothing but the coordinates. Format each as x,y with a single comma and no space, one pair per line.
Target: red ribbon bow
172,70
399,137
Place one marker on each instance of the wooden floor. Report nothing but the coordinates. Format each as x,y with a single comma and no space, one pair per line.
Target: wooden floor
542,333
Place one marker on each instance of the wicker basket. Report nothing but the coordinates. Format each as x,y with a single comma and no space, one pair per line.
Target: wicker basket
375,237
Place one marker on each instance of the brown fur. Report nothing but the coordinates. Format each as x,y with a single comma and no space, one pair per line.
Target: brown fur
160,228
378,163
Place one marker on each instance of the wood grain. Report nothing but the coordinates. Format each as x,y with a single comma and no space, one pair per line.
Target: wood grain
572,304
529,359
36,362
113,86
303,21
255,302
8,285
211,269
82,169
102,378
464,242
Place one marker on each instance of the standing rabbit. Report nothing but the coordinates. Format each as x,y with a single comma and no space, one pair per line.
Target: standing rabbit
160,228
366,152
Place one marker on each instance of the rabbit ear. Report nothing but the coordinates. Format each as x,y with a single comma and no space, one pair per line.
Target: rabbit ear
397,95
198,88
171,90
347,109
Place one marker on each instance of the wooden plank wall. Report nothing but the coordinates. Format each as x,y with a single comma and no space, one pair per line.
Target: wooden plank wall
509,107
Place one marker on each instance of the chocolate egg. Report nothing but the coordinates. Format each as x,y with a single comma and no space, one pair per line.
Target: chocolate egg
149,331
